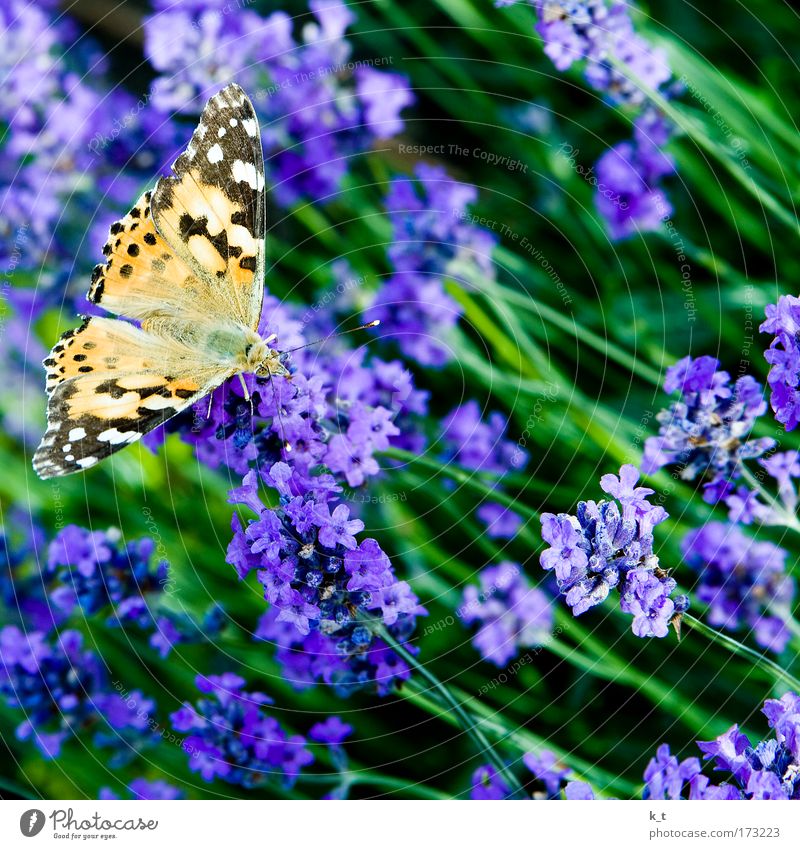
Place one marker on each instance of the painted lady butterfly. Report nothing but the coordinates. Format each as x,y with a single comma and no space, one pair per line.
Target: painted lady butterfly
187,264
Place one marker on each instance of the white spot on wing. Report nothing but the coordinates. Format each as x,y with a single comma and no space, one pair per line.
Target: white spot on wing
115,437
245,172
85,462
221,132
234,122
215,154
250,127
76,433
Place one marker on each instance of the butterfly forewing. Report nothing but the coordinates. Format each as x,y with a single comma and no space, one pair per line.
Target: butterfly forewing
187,263
212,212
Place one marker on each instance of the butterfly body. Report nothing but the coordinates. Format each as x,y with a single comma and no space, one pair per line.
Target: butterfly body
187,265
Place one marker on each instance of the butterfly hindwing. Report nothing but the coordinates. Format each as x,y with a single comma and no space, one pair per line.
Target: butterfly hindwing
212,211
118,382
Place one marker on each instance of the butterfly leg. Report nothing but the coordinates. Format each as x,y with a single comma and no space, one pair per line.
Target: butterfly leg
247,396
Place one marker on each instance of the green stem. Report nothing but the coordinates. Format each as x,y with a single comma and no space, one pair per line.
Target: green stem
566,323
460,476
521,739
351,778
763,663
703,140
16,789
661,695
390,782
465,720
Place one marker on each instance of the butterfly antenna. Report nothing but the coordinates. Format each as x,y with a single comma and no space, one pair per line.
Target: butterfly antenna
334,335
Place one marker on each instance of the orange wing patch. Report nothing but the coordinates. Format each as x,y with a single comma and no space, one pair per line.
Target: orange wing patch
142,275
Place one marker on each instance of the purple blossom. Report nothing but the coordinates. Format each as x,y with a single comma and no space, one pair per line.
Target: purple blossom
383,96
783,355
315,115
647,598
480,445
95,570
769,770
62,690
337,528
545,768
547,772
332,731
603,547
432,237
597,31
230,736
783,467
706,432
666,777
348,660
415,312
629,195
483,446
510,614
600,35
501,522
320,580
743,582
488,785
140,788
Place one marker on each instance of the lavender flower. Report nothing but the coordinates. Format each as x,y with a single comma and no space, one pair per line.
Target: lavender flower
783,322
63,692
488,785
432,237
769,770
600,34
743,582
140,788
631,199
549,775
96,571
230,736
510,613
706,432
314,115
317,576
483,446
597,31
23,598
609,544
667,778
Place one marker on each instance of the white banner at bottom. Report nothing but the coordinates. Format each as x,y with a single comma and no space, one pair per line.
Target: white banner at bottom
389,824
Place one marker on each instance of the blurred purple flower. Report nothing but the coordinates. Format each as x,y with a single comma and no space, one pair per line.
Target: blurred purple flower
783,355
511,614
743,582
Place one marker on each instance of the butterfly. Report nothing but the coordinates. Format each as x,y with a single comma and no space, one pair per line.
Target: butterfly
187,265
